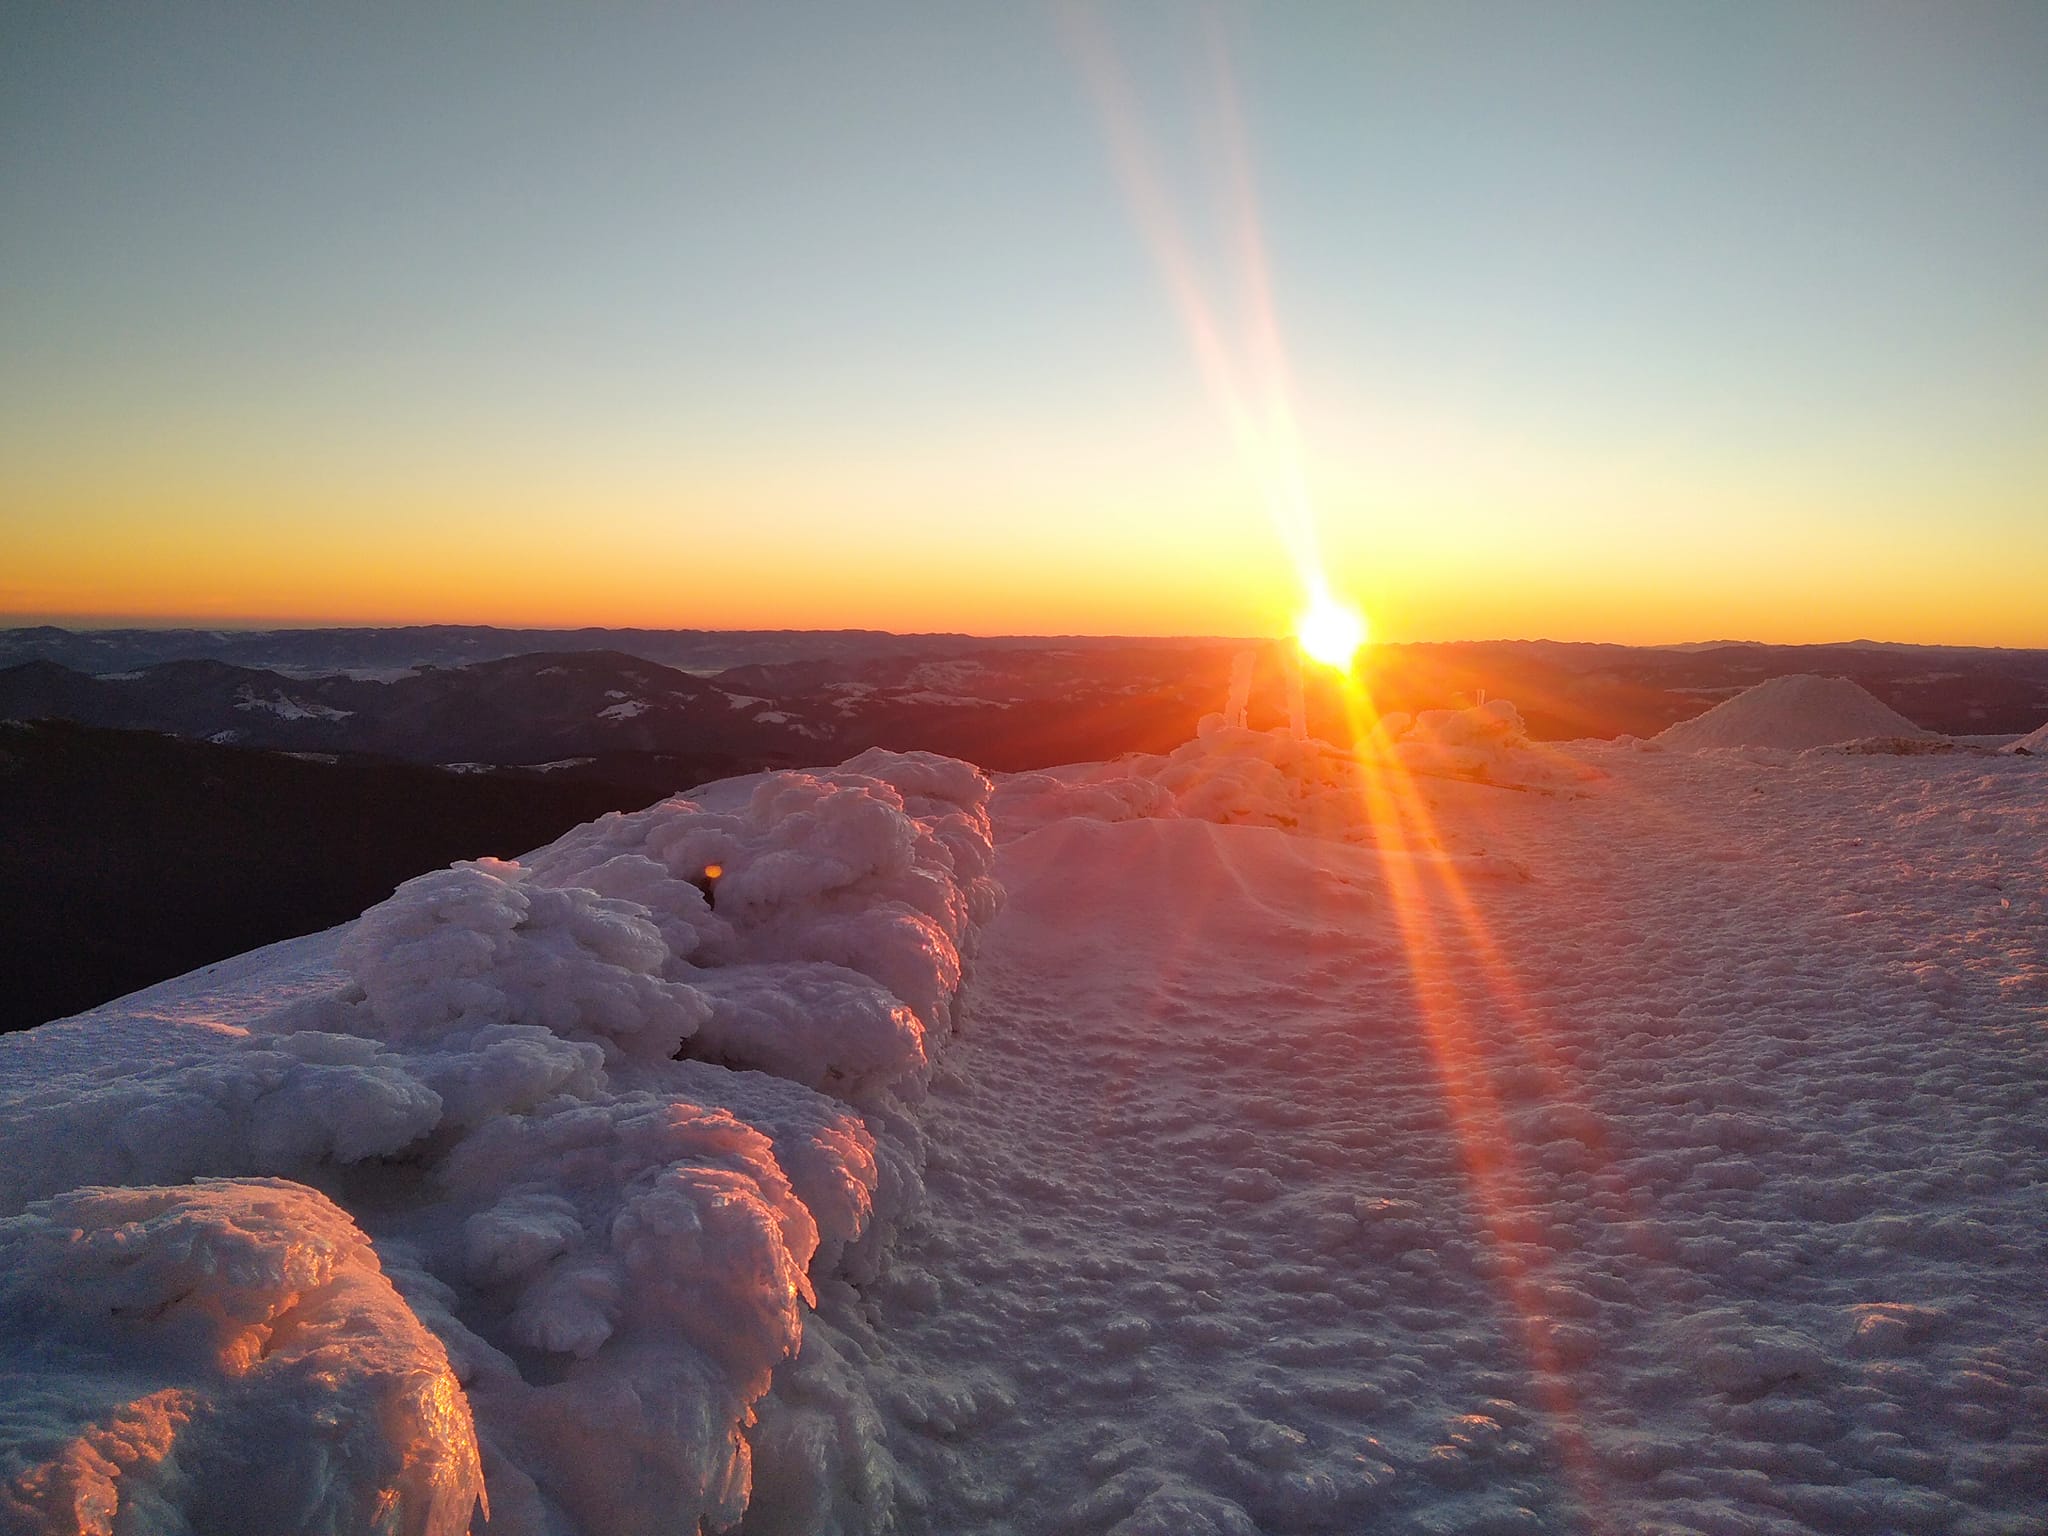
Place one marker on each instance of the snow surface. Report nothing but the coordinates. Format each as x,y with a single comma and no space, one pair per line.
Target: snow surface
1493,1140
1792,714
1270,779
1694,1184
2034,743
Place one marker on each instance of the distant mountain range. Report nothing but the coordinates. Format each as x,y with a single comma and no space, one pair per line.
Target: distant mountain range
382,651
791,699
1004,708
129,856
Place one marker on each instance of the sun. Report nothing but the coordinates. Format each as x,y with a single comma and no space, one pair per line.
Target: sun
1330,632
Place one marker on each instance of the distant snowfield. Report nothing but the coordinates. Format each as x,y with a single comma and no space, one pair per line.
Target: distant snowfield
286,708
1632,1141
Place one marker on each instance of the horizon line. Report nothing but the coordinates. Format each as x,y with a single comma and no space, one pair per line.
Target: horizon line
258,626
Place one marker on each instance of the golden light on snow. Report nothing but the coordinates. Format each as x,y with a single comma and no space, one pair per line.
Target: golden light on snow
1330,632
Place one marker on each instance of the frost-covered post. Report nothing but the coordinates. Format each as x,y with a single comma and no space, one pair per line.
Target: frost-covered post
1238,711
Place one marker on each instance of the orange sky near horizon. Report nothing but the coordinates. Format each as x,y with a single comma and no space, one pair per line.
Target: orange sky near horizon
735,554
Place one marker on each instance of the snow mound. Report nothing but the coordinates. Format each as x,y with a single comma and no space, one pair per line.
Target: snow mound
2034,743
187,1356
1241,777
611,1114
1792,714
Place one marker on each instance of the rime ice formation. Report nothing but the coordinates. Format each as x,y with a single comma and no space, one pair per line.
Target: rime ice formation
1791,714
610,1119
223,1356
1455,1135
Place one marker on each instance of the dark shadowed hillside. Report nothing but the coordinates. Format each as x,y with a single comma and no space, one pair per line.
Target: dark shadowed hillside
127,857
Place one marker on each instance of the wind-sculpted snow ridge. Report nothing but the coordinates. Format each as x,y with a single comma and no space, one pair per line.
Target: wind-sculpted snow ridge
614,1116
1242,777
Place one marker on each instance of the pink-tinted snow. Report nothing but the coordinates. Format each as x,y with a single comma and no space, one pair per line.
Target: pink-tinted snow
1694,1184
1630,1141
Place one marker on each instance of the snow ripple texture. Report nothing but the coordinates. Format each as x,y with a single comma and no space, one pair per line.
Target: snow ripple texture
1695,1185
611,1116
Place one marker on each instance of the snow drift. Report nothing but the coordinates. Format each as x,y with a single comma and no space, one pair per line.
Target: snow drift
610,1115
1792,714
1243,777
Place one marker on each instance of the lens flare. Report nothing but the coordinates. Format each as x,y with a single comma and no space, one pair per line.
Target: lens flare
1330,632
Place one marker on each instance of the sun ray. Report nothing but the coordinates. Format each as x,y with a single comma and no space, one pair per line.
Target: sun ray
1248,383
1432,912
1486,1141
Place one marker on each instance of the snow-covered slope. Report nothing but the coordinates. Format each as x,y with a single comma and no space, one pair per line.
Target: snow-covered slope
1792,713
1328,1150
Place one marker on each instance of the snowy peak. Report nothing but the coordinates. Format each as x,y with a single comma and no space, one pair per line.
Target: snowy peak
1792,714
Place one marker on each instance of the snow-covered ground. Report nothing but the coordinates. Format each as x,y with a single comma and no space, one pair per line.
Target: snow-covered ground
1692,1184
1497,1140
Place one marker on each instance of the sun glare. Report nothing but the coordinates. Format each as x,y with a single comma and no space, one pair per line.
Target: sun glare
1330,632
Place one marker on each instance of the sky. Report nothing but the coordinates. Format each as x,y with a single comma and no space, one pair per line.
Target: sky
1634,322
